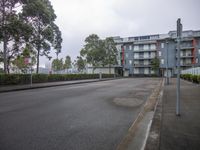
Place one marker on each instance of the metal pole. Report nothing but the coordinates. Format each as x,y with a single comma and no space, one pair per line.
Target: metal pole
179,30
167,65
31,77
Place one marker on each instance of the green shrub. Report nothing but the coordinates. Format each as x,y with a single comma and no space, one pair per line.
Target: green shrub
190,77
13,79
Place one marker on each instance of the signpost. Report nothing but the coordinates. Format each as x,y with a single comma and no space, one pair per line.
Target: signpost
167,67
179,34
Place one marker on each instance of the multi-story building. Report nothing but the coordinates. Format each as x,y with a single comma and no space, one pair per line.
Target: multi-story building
136,54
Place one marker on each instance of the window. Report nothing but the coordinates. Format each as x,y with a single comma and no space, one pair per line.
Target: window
199,51
153,55
162,61
162,45
136,47
136,55
153,46
136,62
146,71
146,47
146,55
126,55
136,70
130,47
159,53
130,62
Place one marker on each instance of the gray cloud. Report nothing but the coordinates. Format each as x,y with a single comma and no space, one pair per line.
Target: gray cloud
79,18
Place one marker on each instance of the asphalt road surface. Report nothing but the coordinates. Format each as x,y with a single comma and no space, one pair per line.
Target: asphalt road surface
93,116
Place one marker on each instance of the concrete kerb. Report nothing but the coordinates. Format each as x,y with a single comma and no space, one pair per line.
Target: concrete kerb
153,139
54,85
150,105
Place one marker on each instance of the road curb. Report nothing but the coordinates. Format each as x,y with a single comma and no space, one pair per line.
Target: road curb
150,105
54,85
153,139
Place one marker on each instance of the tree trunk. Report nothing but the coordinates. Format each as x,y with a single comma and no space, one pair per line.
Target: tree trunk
38,59
4,39
109,69
5,54
38,48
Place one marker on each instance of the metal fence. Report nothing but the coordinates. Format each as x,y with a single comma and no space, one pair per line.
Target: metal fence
194,71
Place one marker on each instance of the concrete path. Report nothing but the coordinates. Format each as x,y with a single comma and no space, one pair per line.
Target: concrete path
181,133
171,132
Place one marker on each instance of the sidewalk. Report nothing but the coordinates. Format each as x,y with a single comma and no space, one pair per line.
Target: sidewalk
181,133
177,133
9,88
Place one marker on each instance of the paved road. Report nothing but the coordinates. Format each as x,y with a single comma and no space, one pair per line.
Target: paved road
79,117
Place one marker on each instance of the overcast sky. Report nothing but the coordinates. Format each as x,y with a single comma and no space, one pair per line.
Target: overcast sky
79,18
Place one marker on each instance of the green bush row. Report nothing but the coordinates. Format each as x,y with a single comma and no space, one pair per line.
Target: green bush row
13,79
190,77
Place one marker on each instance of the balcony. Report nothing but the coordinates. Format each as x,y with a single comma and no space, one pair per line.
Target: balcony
142,65
143,58
186,64
145,50
186,47
185,56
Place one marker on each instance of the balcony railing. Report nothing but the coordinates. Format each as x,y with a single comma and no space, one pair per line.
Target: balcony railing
142,65
185,55
144,50
145,57
186,64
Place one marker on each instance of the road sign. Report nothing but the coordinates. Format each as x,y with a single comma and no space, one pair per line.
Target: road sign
27,60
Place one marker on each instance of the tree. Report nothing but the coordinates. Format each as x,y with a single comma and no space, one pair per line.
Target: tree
155,64
46,34
99,52
111,53
13,30
80,63
1,56
68,63
93,51
19,61
57,64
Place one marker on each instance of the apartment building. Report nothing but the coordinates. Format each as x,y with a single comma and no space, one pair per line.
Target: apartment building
135,54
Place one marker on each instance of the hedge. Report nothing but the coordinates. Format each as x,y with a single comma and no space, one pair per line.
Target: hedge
16,79
190,77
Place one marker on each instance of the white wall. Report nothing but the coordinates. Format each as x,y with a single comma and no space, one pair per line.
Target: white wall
102,70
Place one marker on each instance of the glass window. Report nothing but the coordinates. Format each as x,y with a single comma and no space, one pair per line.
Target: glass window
146,47
136,47
126,55
162,45
159,53
153,46
130,62
130,47
136,55
162,61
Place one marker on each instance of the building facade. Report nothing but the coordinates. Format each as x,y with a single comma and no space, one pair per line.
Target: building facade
136,54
